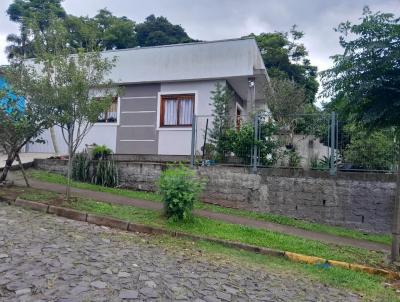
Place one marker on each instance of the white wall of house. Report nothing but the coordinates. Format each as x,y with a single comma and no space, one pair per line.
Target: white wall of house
177,141
101,134
171,141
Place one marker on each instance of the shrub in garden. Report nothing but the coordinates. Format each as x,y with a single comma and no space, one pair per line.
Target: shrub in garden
106,173
293,158
241,141
101,152
180,188
103,171
81,167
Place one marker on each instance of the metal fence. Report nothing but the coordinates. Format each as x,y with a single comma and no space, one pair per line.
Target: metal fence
308,141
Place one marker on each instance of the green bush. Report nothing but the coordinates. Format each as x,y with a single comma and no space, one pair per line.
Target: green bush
81,167
179,188
371,151
293,158
101,152
103,171
106,173
241,141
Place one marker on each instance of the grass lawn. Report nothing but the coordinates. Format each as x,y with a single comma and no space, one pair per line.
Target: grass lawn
221,230
339,231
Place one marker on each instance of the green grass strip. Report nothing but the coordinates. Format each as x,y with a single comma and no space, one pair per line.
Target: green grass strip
284,220
226,231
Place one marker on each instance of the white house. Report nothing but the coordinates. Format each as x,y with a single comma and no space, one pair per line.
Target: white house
163,86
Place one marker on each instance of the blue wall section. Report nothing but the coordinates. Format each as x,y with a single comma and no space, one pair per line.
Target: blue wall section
10,95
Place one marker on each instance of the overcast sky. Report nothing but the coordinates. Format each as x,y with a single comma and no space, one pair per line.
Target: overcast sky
222,19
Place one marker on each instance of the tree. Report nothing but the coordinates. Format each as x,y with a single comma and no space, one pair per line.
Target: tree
73,81
286,101
159,31
102,32
23,12
286,58
114,32
367,78
367,74
24,114
221,99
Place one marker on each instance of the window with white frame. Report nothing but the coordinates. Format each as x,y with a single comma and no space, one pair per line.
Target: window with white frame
176,110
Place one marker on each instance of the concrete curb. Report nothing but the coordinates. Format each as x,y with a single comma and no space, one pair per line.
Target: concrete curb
139,228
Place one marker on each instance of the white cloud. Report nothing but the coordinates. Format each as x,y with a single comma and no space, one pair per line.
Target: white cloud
3,43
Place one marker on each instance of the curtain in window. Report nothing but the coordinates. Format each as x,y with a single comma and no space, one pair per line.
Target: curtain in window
185,112
170,113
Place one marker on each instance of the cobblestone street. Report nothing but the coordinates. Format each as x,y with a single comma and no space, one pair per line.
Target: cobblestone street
47,258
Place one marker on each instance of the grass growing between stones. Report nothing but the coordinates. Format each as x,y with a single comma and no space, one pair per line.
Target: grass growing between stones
232,232
284,220
372,288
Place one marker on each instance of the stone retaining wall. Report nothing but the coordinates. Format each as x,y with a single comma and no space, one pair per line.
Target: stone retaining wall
361,201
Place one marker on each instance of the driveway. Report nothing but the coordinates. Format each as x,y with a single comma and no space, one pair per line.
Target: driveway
48,258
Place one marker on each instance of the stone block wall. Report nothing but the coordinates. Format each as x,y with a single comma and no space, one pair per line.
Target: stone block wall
362,201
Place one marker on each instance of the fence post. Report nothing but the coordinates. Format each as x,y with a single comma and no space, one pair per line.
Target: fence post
193,145
255,147
332,170
396,211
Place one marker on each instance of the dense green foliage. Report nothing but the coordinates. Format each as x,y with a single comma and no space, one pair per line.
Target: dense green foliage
240,142
376,150
101,151
20,121
363,84
221,99
29,14
366,77
102,171
104,31
180,189
286,58
81,168
106,173
159,31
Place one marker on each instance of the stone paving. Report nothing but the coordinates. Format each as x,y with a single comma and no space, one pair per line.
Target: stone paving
48,258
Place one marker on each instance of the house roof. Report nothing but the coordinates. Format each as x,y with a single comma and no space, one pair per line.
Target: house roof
188,61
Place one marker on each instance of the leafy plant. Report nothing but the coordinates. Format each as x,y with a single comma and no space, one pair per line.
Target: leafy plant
241,142
180,188
101,152
294,159
102,172
374,151
320,164
219,136
81,167
106,173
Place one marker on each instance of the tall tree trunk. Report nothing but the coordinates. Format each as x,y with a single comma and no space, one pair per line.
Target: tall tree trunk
23,171
7,167
54,140
70,154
